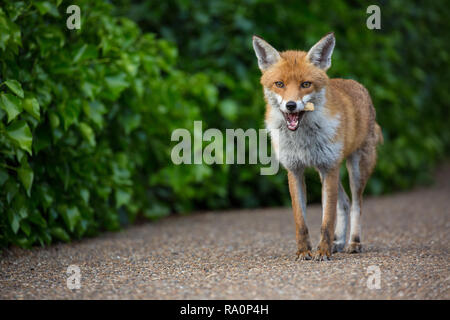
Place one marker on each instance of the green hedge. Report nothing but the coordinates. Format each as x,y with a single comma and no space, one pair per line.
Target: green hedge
85,123
86,115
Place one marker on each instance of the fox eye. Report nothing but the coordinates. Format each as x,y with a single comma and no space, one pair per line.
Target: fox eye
306,84
279,84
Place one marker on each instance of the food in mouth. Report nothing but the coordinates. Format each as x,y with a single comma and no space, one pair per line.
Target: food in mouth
293,118
309,106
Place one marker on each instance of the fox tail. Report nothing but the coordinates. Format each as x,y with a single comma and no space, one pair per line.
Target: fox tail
379,133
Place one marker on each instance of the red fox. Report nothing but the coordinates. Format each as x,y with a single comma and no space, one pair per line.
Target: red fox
341,127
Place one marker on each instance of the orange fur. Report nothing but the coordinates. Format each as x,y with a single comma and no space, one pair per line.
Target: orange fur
357,132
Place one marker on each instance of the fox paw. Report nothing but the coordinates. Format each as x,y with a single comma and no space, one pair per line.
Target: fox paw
354,247
337,247
303,255
322,254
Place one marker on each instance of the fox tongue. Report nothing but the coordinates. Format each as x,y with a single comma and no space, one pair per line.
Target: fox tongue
292,121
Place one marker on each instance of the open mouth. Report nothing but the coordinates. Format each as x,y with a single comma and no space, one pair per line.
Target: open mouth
293,119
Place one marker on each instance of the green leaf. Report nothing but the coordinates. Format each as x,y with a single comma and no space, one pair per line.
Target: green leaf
11,104
15,216
26,228
37,219
26,176
95,110
11,188
22,210
229,109
117,84
54,120
16,9
84,193
20,134
15,87
3,176
47,197
60,234
87,133
70,113
47,7
15,223
15,33
85,52
4,33
71,217
20,154
131,122
31,105
122,197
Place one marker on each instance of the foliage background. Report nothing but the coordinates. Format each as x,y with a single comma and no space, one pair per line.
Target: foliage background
86,115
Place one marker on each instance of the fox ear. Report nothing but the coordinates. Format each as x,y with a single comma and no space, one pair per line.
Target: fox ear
320,54
266,54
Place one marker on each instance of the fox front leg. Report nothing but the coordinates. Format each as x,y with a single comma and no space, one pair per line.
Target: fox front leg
297,190
330,183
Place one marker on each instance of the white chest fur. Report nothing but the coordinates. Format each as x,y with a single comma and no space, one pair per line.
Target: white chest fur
312,144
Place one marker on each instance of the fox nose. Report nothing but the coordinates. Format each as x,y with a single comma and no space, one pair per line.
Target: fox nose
291,105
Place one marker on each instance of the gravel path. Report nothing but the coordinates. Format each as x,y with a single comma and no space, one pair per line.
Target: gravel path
249,254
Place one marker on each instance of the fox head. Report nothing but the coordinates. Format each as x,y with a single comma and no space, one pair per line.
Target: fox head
293,78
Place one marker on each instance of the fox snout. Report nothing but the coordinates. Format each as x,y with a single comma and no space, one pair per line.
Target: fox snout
291,106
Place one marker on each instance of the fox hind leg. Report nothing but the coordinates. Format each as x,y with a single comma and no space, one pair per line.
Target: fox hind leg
360,165
343,208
